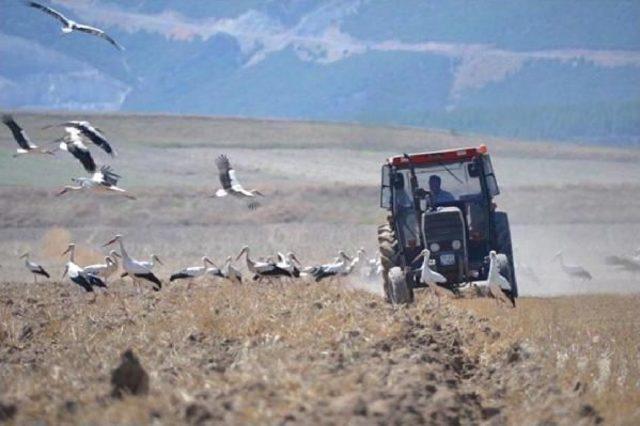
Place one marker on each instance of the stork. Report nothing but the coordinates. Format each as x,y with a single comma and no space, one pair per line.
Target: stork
574,271
261,269
229,272
72,143
151,263
338,267
134,268
626,263
78,275
68,25
25,146
358,258
288,262
34,268
103,181
92,133
231,184
104,270
431,277
495,283
193,271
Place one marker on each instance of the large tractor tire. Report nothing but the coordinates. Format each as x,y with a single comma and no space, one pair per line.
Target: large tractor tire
503,240
396,289
401,292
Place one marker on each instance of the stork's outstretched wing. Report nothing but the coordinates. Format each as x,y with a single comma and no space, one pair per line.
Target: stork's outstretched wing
46,9
98,32
109,177
93,134
83,155
19,135
225,171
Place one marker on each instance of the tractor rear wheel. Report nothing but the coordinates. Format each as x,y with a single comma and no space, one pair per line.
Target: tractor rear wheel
401,293
396,289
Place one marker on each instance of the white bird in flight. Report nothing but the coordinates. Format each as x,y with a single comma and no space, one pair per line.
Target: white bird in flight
70,26
72,143
104,180
25,146
231,185
91,132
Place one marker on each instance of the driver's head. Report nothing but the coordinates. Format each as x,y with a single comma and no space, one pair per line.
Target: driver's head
434,183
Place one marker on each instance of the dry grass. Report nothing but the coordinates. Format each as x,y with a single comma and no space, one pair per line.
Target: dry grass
299,353
591,340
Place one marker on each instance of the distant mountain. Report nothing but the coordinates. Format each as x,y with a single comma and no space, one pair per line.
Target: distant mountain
524,68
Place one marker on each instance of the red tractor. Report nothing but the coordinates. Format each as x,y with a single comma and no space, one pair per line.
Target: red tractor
442,201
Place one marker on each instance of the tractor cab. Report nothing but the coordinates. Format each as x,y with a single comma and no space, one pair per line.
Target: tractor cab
443,201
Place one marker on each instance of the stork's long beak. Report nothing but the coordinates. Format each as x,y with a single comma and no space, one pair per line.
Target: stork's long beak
293,257
116,254
158,259
66,251
418,257
110,242
64,274
240,254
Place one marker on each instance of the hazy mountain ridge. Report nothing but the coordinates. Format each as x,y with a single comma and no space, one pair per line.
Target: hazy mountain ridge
567,70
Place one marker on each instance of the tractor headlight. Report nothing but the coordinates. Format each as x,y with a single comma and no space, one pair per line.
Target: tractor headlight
434,247
456,244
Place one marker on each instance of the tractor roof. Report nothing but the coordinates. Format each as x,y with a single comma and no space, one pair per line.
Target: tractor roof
435,157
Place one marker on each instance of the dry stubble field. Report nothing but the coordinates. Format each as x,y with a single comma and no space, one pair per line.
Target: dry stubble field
300,353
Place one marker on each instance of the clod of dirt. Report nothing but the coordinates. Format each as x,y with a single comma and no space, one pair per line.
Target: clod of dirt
129,377
197,414
27,333
7,411
587,411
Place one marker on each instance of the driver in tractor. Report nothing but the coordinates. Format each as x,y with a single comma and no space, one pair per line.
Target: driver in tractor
438,195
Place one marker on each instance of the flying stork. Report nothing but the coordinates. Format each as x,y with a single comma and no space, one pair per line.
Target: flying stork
231,185
34,268
104,180
134,268
69,25
78,275
72,143
574,271
193,271
91,132
25,146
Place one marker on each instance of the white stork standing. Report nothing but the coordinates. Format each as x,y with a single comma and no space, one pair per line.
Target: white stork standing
229,272
193,271
34,268
261,269
25,146
78,275
357,260
288,262
338,267
431,277
102,181
574,271
134,268
495,283
630,263
231,185
151,263
104,270
69,25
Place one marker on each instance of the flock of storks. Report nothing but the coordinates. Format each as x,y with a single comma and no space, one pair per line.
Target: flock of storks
104,179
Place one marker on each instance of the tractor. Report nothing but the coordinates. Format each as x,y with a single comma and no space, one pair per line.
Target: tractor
442,201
